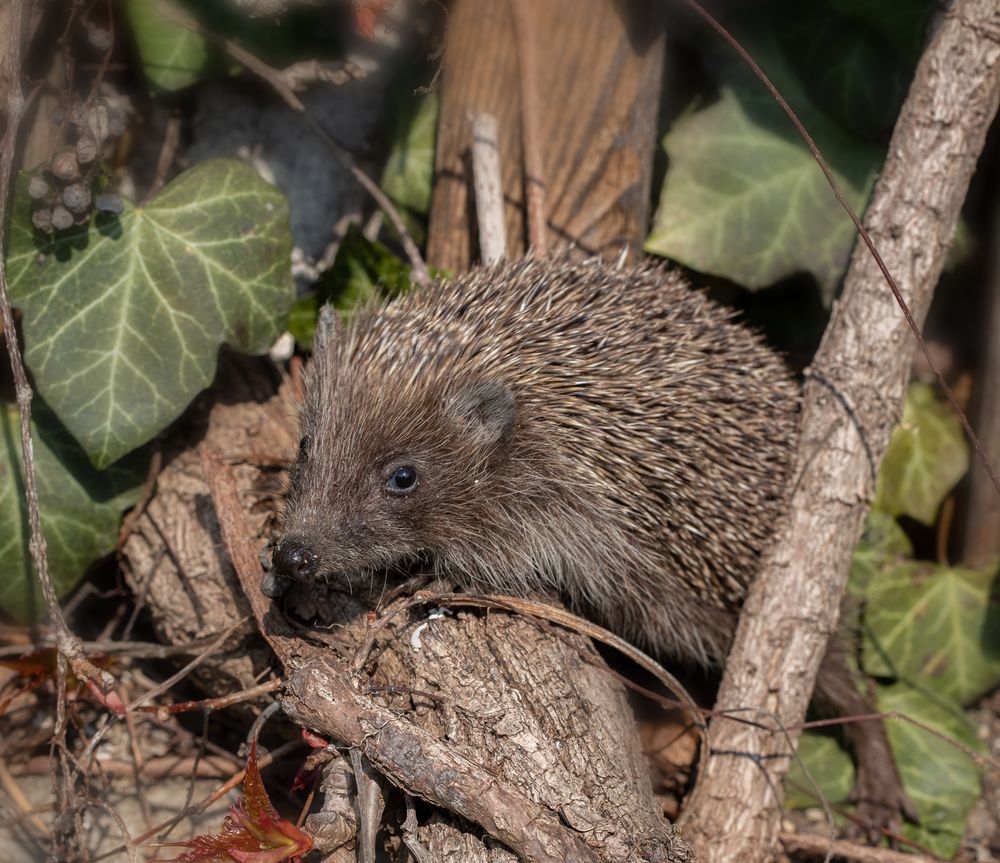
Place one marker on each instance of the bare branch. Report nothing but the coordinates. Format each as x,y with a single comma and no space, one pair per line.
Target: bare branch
864,362
320,696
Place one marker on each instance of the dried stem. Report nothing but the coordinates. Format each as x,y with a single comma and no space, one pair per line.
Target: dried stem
531,136
487,181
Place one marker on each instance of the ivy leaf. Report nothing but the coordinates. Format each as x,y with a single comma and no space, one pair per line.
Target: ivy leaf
80,509
173,57
938,626
927,455
902,22
883,543
847,67
742,197
123,319
362,271
410,168
941,780
829,766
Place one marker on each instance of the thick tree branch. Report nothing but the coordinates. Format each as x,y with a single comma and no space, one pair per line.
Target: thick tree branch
851,401
320,697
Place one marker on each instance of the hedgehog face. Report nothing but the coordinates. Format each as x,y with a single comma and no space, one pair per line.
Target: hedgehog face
380,485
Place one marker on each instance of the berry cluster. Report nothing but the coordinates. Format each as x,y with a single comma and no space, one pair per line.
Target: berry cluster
63,193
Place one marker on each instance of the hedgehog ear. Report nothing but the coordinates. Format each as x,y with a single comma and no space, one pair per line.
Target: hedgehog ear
329,328
487,410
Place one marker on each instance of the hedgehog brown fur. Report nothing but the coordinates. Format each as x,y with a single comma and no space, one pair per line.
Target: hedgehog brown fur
609,435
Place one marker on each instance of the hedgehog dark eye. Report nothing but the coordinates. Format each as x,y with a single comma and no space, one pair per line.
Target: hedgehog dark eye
303,447
402,480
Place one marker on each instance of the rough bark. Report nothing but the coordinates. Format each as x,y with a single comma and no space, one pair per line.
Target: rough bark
173,557
599,97
496,722
852,398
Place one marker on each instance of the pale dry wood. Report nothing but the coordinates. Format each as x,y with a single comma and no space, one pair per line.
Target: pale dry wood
487,180
526,44
598,82
851,401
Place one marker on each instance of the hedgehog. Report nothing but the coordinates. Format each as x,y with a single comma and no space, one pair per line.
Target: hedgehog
609,436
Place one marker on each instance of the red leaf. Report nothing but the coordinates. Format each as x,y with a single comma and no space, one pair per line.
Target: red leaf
253,832
366,15
42,666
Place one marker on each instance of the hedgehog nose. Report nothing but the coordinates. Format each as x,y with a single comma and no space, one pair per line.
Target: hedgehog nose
293,558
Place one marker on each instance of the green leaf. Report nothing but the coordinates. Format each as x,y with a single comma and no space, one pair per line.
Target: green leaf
173,56
123,318
942,781
829,766
902,22
936,626
883,543
927,455
742,197
362,271
846,66
410,168
80,509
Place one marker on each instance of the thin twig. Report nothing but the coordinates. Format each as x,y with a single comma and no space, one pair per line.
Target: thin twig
174,679
531,136
122,828
171,140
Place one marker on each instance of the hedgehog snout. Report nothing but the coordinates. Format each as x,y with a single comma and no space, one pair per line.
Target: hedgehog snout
294,558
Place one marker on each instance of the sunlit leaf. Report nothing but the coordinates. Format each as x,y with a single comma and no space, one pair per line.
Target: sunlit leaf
123,319
173,56
253,832
742,197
